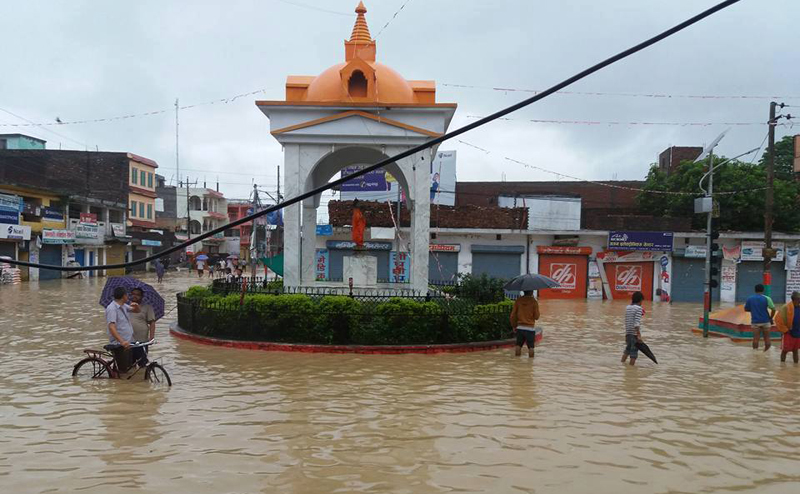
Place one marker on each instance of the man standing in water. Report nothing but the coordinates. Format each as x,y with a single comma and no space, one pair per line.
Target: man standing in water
633,327
788,321
523,320
762,310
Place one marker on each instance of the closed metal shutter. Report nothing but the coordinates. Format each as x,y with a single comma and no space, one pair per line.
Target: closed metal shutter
8,249
497,264
336,268
751,273
688,278
442,266
50,254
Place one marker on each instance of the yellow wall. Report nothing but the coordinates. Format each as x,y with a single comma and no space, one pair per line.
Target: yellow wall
149,171
115,254
141,199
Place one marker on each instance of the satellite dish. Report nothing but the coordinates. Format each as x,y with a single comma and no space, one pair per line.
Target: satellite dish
708,149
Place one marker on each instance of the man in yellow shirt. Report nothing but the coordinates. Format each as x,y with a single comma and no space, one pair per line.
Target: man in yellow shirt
523,320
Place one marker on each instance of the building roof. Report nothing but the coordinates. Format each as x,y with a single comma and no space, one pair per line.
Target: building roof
25,136
142,160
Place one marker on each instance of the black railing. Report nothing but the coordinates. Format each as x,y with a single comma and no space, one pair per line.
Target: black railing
344,321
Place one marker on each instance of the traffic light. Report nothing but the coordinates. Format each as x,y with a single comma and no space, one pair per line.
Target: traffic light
713,282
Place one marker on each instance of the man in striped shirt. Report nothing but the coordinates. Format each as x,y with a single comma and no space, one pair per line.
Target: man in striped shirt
633,323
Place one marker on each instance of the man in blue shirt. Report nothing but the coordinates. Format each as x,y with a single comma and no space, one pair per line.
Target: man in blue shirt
762,310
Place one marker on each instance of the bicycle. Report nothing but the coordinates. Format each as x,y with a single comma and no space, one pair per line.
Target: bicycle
102,364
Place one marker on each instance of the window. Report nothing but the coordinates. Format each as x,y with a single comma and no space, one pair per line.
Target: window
357,85
150,210
142,176
3,144
114,216
150,180
141,210
134,175
133,209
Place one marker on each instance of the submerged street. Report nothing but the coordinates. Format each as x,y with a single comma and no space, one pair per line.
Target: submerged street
713,415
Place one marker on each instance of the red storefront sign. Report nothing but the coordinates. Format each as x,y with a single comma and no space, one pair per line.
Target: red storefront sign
625,278
564,250
444,247
570,271
88,219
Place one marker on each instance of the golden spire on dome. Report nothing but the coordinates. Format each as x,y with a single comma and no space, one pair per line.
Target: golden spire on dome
360,29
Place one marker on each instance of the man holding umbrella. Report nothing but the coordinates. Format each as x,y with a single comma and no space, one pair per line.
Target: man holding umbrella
526,309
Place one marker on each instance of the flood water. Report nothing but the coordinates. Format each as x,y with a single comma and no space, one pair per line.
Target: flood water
713,416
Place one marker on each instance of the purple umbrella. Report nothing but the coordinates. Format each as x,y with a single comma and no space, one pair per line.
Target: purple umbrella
151,296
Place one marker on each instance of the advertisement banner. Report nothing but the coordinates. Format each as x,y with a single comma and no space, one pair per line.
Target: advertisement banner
642,241
58,236
10,203
15,232
53,214
322,265
728,279
628,278
399,267
9,217
792,282
564,250
443,179
324,230
566,274
751,250
732,253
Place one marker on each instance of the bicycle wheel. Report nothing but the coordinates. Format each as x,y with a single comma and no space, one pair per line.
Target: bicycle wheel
91,368
157,376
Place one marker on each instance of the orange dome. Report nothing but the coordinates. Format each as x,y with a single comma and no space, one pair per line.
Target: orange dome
390,87
360,79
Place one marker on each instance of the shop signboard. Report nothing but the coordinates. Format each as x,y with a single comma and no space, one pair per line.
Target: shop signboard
88,219
53,214
151,243
11,203
566,274
9,217
322,265
444,247
83,230
324,230
118,229
752,250
399,267
642,241
14,232
728,279
58,236
350,245
695,251
564,250
612,256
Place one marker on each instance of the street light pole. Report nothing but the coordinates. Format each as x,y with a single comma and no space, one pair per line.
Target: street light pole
709,241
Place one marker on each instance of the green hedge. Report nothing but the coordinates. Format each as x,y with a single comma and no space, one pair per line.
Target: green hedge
340,319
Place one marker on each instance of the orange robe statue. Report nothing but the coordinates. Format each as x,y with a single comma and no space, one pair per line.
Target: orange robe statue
359,223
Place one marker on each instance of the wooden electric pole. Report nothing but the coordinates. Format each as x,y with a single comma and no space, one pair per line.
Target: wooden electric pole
769,201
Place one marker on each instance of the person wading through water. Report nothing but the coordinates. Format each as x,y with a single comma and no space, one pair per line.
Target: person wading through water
523,319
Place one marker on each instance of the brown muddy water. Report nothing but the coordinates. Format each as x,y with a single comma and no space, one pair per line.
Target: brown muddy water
713,416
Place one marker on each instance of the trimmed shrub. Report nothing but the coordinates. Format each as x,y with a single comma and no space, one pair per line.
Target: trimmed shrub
198,292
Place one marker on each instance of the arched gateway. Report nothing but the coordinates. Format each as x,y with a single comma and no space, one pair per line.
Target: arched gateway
355,113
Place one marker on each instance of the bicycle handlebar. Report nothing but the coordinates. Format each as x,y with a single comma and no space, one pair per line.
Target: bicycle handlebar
146,343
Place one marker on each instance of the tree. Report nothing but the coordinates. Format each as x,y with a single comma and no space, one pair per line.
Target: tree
738,189
784,157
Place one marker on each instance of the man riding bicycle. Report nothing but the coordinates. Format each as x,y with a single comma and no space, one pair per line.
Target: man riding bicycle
120,331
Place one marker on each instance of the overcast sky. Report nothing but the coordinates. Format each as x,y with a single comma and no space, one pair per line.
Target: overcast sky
81,60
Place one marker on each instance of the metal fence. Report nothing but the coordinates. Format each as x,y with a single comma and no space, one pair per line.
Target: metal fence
343,321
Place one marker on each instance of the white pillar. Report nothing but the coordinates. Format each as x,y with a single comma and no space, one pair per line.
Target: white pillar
291,217
417,170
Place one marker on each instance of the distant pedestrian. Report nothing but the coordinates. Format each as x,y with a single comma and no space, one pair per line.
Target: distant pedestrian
523,321
211,269
633,327
160,270
788,322
762,311
201,264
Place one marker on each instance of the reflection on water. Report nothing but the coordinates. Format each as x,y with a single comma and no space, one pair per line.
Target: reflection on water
714,416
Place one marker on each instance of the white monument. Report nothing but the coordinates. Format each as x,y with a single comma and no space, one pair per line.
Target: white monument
355,113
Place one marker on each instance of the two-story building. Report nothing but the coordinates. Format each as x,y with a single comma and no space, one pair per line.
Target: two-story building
21,141
200,210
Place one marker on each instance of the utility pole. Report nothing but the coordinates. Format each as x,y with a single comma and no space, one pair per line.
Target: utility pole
177,156
188,211
280,199
769,201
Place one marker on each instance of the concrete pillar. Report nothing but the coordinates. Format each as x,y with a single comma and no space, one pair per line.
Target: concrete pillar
417,171
309,241
291,217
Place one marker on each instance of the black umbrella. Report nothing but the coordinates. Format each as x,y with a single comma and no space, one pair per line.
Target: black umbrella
642,346
528,282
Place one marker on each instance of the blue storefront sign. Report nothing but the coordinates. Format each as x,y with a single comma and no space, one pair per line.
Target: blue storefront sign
324,230
53,214
373,181
152,243
653,241
10,203
9,217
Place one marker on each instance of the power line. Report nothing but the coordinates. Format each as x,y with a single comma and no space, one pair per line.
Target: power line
411,151
311,7
41,126
633,95
392,18
613,122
